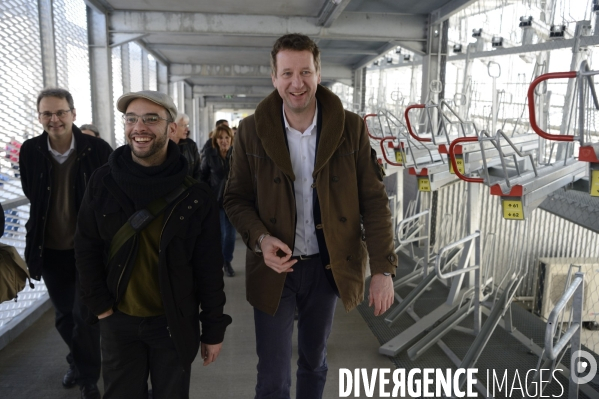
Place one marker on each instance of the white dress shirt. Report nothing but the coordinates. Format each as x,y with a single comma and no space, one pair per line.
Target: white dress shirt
302,150
60,158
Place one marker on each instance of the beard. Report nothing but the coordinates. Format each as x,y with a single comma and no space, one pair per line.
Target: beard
157,145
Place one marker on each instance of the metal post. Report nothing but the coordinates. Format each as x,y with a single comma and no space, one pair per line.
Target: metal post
126,68
577,302
578,55
145,70
162,72
47,39
100,68
431,62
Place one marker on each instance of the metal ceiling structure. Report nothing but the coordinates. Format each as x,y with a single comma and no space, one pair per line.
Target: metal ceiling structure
221,48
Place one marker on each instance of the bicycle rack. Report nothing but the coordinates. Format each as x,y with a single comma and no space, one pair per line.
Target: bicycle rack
556,339
510,169
459,253
437,172
588,151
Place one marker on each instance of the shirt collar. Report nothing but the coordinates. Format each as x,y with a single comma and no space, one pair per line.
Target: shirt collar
309,129
58,154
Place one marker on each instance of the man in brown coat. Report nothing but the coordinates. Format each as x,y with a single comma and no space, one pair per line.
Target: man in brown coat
303,174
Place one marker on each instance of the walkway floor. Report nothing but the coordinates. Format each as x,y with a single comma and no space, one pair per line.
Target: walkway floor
32,366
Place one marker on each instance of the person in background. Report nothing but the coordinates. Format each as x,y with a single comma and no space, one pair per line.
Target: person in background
187,146
146,286
303,177
208,143
90,130
55,169
215,170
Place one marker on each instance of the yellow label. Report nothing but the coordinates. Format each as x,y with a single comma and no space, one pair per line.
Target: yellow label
460,161
424,184
512,209
398,157
594,183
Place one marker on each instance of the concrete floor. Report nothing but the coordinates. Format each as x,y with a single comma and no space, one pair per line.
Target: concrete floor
32,366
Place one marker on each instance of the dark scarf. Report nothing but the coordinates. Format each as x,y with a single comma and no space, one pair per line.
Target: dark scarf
143,184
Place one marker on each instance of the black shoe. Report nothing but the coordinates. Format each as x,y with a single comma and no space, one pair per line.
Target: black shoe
229,269
90,391
70,378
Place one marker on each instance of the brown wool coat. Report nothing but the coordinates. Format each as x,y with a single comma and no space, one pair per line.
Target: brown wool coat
259,198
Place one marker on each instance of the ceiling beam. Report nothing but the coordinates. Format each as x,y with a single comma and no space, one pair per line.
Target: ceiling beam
248,91
367,60
447,10
348,26
234,106
240,49
331,11
236,100
247,71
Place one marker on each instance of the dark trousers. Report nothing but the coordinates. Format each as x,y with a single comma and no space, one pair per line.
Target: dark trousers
83,339
227,236
307,288
132,349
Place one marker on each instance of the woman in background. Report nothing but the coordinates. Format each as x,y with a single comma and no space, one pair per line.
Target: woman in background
215,171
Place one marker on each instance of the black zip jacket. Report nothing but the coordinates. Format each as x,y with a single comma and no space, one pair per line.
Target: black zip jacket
215,171
190,260
189,150
36,177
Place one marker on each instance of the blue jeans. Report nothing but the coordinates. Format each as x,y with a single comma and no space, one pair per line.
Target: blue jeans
227,236
307,288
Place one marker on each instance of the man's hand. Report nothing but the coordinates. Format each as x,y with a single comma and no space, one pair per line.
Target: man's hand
210,352
381,294
105,314
270,246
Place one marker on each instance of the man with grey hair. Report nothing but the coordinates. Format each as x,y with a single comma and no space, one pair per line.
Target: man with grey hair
187,146
148,252
55,170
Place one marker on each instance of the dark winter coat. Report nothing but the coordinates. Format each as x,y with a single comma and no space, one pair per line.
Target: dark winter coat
190,260
215,169
259,198
36,177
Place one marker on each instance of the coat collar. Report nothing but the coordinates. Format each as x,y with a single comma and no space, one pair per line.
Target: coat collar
81,141
270,130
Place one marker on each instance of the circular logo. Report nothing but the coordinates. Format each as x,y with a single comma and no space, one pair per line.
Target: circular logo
581,363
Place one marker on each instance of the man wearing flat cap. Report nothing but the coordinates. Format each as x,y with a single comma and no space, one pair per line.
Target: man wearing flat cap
148,253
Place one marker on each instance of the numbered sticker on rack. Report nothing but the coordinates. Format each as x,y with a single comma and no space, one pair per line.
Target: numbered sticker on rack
594,182
460,161
512,209
398,156
424,184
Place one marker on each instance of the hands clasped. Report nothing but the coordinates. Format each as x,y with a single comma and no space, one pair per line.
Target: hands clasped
270,246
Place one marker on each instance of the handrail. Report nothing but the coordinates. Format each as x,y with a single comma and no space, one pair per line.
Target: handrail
553,350
446,248
382,141
531,105
455,164
368,130
15,202
408,108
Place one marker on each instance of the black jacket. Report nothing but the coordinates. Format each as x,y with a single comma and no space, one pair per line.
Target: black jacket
190,260
36,177
189,150
215,171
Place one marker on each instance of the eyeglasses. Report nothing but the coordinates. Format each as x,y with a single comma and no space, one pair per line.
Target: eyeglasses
48,115
147,119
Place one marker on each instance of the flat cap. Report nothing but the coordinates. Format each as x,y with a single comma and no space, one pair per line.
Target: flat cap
157,97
